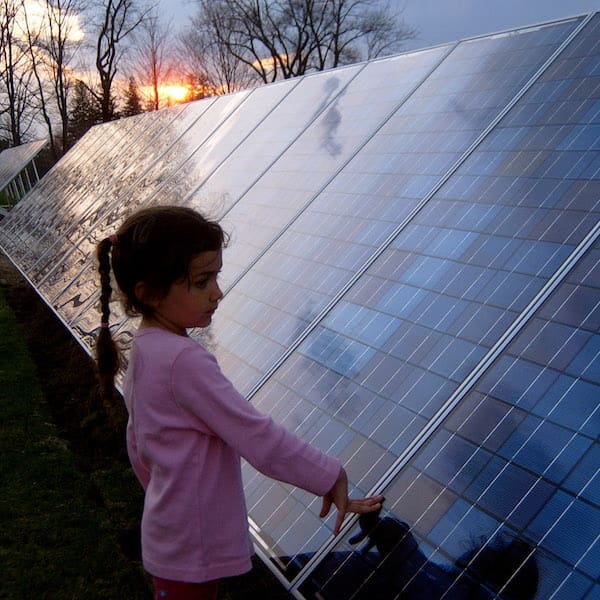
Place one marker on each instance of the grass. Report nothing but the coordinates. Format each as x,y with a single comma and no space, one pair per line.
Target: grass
57,539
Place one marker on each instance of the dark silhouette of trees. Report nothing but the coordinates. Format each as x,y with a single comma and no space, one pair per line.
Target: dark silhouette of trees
277,39
39,43
84,112
118,20
17,86
133,102
207,59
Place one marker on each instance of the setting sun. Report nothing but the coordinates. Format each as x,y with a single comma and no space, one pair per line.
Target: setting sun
173,92
168,94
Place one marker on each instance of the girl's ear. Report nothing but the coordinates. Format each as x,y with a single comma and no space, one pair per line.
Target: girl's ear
146,295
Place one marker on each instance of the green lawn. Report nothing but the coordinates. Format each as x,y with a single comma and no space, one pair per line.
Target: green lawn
57,538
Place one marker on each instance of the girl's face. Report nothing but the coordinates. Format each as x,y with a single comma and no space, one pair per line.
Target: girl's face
191,302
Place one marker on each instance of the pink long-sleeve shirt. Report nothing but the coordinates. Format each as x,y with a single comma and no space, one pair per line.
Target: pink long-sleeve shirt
188,427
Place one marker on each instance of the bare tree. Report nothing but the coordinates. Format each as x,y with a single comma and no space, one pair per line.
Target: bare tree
152,61
286,38
207,60
118,20
57,42
17,87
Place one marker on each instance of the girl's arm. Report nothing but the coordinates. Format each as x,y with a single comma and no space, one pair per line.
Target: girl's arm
206,394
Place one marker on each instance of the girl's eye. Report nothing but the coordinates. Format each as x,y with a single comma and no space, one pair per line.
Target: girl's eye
201,283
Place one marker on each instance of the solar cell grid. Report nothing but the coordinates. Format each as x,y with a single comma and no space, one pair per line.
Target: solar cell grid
337,132
520,450
513,265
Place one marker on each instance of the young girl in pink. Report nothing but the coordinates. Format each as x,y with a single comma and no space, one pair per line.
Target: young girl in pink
188,426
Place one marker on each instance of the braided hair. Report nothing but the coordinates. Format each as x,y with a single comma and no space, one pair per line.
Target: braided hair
153,246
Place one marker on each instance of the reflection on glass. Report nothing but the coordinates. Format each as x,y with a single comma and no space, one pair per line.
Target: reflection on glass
383,178
392,351
503,498
155,132
393,563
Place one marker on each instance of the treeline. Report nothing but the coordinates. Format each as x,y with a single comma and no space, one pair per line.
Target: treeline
66,65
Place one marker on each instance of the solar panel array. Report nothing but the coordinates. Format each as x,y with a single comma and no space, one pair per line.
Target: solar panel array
16,178
412,283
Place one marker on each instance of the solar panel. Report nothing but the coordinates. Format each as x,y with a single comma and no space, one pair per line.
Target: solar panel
411,284
13,160
15,177
66,195
391,351
515,463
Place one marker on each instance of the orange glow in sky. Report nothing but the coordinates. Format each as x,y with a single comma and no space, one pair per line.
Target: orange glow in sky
169,94
174,92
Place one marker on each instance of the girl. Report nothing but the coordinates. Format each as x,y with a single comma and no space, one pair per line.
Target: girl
188,426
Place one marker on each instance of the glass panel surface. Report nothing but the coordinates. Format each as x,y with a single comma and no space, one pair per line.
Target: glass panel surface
154,136
363,204
117,158
165,181
505,496
15,159
307,97
36,208
397,345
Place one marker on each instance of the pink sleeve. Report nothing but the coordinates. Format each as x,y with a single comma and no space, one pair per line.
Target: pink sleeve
201,389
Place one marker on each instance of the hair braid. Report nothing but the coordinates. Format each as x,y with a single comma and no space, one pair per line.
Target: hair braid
107,353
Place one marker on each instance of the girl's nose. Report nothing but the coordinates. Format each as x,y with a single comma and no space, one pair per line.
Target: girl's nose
217,294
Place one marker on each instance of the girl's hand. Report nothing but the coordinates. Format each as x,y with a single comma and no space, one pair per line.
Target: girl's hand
338,495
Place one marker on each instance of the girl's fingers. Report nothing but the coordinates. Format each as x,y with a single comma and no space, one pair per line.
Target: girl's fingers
364,505
359,506
325,506
338,522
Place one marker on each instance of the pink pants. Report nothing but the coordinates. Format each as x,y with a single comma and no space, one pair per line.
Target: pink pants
164,589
